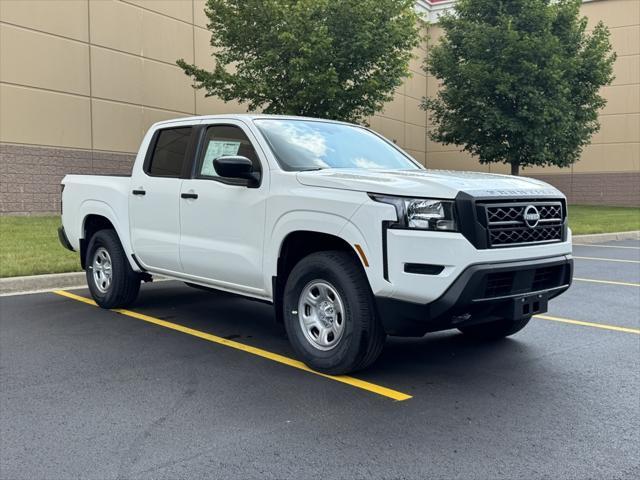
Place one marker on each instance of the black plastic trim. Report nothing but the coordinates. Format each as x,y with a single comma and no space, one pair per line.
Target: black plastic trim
277,290
61,199
423,268
145,276
385,259
516,295
83,253
472,220
64,240
463,304
137,262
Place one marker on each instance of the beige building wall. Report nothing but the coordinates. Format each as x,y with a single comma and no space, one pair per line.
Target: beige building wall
82,80
402,120
609,169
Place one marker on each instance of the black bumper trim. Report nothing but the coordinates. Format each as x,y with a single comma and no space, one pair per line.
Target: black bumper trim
465,302
62,236
547,291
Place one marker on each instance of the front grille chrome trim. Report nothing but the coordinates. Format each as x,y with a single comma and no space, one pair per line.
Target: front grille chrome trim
524,244
506,226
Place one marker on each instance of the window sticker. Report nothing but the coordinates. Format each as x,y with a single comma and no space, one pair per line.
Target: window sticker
215,149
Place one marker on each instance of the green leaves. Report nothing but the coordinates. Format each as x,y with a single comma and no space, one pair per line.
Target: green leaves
521,81
339,59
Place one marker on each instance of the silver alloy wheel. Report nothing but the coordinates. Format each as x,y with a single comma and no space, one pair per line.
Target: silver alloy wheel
102,269
321,314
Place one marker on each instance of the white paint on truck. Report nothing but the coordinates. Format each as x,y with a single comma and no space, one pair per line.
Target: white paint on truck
228,233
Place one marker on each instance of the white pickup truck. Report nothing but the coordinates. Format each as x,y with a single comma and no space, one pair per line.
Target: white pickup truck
344,233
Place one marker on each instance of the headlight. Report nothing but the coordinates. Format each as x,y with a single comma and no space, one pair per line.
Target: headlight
422,213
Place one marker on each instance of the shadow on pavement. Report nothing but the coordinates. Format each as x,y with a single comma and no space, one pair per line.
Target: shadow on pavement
252,322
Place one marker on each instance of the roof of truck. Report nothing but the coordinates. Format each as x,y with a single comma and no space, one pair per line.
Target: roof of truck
250,116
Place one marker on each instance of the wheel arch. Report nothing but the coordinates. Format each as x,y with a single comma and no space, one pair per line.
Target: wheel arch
300,243
296,245
98,216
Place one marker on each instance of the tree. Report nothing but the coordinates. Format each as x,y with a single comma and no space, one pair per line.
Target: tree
521,81
338,59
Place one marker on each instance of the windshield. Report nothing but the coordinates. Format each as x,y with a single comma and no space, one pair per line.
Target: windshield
311,145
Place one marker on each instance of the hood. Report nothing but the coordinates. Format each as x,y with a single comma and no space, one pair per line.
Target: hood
427,183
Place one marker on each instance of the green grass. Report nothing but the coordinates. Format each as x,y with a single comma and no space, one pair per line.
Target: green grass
30,246
584,219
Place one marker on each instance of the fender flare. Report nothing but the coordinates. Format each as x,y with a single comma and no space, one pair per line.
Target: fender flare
120,225
310,221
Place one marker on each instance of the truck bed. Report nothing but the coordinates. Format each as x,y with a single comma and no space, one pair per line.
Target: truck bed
106,195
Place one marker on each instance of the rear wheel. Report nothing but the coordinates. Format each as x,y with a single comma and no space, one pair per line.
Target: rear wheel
329,314
494,330
111,280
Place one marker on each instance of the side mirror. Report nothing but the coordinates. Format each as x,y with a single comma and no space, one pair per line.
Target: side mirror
237,167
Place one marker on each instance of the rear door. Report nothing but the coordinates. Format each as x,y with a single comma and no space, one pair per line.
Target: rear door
222,219
154,201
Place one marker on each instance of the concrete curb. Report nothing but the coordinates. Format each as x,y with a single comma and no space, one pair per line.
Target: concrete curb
607,237
47,283
41,283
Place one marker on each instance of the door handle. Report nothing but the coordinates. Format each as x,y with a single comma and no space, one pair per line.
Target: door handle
189,195
139,192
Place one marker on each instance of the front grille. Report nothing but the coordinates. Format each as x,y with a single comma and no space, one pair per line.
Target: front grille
548,277
523,281
516,236
499,283
516,223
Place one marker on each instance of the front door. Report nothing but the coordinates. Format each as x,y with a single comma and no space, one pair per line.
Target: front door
154,201
222,219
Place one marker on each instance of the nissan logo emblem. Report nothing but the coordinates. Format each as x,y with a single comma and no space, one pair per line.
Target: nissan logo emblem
531,216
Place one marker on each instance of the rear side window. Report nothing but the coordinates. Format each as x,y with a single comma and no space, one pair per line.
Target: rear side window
169,153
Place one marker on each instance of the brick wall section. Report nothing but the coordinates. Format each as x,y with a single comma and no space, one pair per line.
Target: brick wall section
619,188
30,176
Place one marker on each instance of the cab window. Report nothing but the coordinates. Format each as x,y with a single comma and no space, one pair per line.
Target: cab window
170,152
225,140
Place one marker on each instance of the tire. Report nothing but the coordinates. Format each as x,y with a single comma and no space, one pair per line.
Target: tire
122,289
344,306
494,330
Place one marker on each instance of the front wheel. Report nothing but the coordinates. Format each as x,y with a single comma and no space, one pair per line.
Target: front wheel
111,280
329,314
495,330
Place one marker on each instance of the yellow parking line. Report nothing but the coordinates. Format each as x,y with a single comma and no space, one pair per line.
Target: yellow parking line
605,246
608,259
275,357
603,326
607,282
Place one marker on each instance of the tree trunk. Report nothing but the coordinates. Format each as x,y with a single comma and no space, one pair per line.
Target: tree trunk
515,169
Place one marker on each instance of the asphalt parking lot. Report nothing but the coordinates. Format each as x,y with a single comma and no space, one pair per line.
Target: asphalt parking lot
194,384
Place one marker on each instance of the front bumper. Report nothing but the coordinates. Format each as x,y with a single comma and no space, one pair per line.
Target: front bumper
481,293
